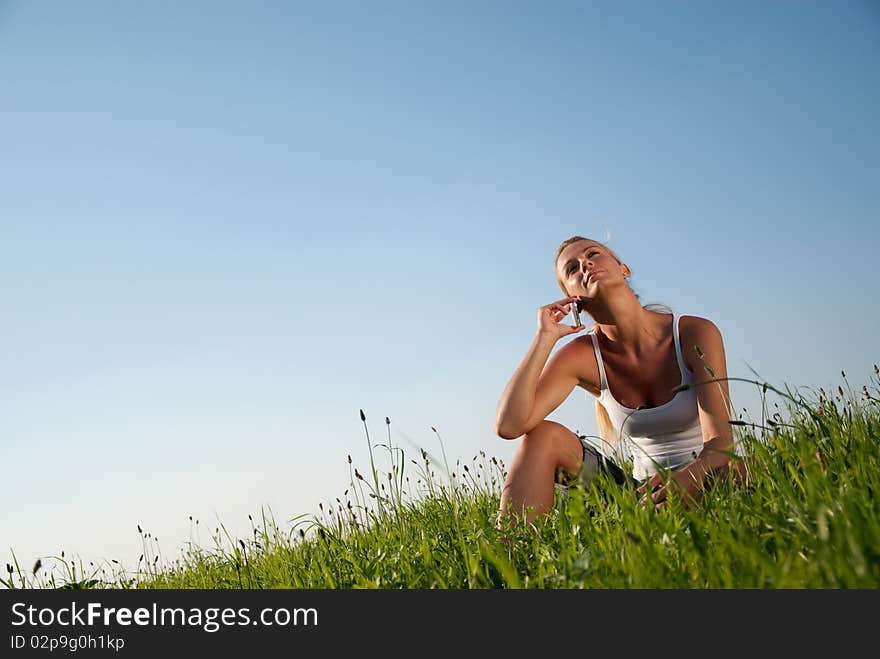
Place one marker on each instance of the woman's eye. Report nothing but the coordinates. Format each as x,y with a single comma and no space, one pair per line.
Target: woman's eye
572,269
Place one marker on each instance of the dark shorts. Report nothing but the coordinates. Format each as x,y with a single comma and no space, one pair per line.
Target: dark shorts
593,463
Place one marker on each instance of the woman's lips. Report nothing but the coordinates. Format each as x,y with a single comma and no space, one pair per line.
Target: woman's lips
590,276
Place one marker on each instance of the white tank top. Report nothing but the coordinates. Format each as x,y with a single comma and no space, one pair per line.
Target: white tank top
669,435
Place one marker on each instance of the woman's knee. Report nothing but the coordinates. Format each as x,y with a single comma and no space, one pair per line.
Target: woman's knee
555,443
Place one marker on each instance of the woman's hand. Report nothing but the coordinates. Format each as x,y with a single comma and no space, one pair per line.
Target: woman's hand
551,315
687,482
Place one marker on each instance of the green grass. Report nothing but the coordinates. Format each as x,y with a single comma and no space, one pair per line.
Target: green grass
809,518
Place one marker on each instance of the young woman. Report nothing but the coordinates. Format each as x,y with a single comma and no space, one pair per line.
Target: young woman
630,361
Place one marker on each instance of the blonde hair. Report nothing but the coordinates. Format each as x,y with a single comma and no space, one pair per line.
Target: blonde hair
603,421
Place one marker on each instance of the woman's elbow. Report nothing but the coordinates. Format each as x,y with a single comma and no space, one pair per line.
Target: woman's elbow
506,432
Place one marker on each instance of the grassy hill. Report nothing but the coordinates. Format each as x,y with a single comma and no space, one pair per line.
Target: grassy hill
809,518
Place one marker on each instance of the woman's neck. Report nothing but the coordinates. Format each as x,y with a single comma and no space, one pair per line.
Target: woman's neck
626,324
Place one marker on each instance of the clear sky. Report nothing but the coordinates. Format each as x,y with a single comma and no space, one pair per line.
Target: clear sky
228,226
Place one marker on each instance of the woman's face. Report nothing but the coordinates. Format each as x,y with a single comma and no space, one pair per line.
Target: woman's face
585,266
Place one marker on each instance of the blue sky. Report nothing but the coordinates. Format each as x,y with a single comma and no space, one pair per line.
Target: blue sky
227,227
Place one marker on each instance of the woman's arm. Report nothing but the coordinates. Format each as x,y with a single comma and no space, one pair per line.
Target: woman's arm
533,393
713,399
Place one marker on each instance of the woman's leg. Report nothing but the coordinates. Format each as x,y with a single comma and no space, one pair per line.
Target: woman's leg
529,489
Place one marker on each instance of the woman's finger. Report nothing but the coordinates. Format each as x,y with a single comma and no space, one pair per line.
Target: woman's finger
659,496
558,314
565,300
652,482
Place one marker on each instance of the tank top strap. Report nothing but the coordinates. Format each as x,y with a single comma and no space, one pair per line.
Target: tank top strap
603,381
678,354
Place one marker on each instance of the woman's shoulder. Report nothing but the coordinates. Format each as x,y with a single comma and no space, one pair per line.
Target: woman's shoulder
692,330
695,324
